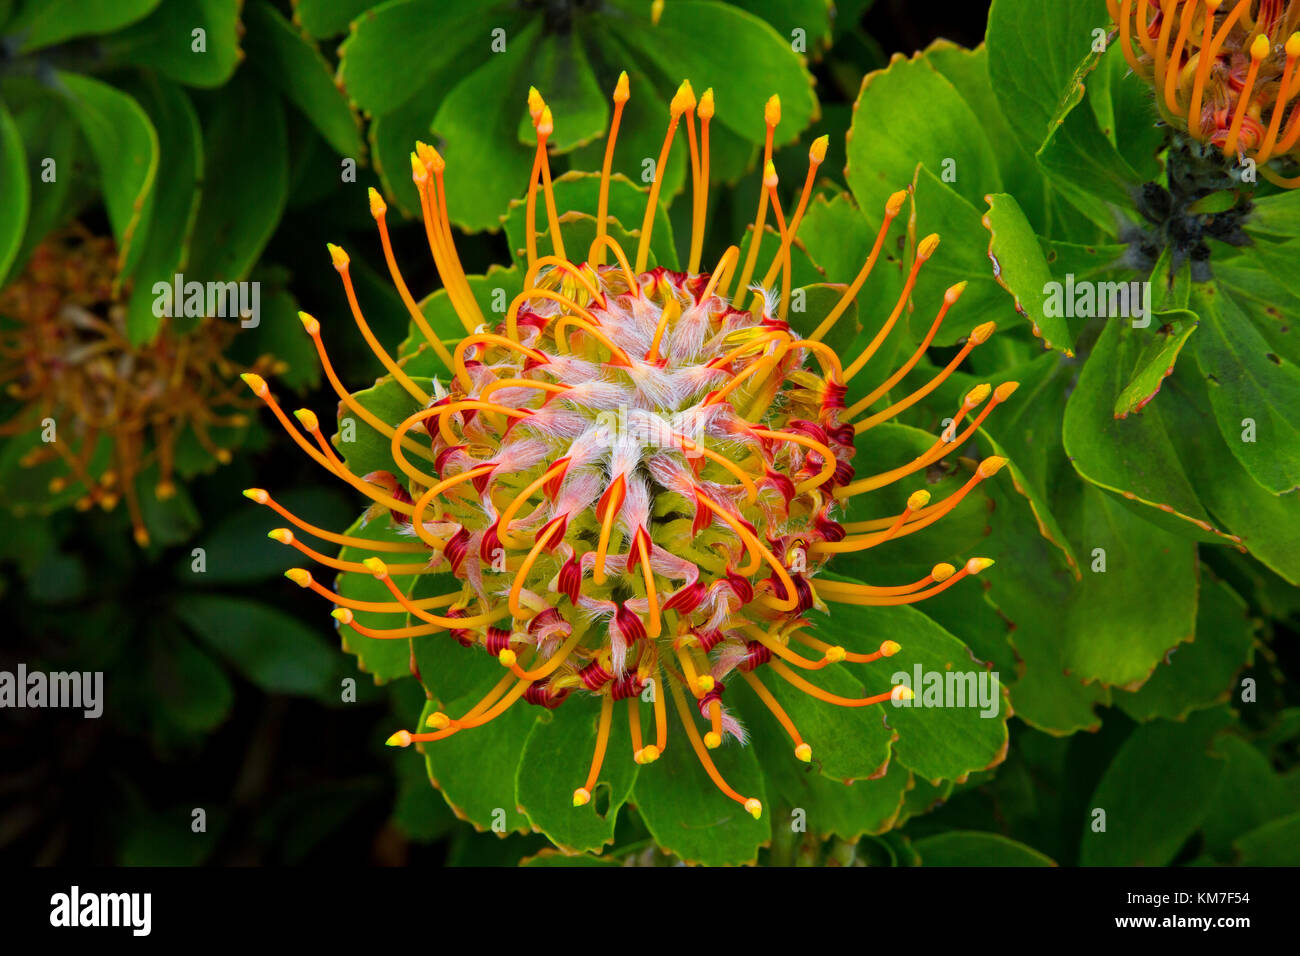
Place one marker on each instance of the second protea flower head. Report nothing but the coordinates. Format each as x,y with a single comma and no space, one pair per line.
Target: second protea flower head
635,476
1223,70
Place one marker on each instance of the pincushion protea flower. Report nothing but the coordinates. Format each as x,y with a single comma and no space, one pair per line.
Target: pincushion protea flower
1223,70
635,476
67,358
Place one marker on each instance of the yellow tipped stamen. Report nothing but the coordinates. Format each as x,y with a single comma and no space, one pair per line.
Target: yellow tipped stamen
684,99
877,599
700,193
1203,66
828,458
949,299
348,541
1258,51
1162,44
400,739
634,724
602,742
801,750
260,389
671,312
750,804
507,516
370,418
661,720
924,250
487,338
1125,37
808,687
756,237
947,441
892,208
979,335
987,469
544,128
713,739
654,626
694,682
438,234
1285,92
617,492
617,354
1172,74
286,537
516,586
778,647
341,264
816,155
378,210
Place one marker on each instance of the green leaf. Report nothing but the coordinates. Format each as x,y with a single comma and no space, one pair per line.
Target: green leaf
752,64
246,182
369,450
1201,674
1248,381
580,108
180,142
1252,794
327,18
271,648
972,848
578,192
393,50
230,559
641,136
418,811
297,68
968,71
1136,456
493,292
1277,215
45,23
14,191
189,690
167,41
475,769
1273,844
385,658
49,136
478,119
1038,56
1122,620
1261,521
689,816
937,742
886,143
962,256
125,145
1156,361
556,760
1155,793
1021,269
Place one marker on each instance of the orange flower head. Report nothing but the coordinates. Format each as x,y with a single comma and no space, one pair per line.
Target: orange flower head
636,476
